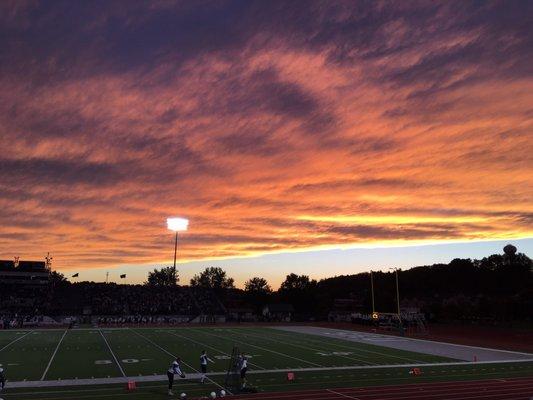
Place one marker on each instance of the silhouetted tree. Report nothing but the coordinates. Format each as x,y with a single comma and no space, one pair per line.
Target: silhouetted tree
212,278
258,292
166,276
57,279
257,285
300,291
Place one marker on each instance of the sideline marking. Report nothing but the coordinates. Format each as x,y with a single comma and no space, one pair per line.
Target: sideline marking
53,355
112,353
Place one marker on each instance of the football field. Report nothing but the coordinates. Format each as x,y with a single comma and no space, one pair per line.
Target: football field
96,363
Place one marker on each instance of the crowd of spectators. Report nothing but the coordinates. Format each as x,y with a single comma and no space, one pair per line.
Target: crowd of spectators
140,320
112,299
106,303
21,306
207,301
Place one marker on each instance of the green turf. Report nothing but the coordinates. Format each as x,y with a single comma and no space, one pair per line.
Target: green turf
93,353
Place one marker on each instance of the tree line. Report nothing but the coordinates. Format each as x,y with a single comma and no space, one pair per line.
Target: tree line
497,287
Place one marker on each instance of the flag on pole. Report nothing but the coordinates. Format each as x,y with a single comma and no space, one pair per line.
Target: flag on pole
122,276
76,275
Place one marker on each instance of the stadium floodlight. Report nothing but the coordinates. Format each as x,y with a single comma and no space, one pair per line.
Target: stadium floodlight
176,224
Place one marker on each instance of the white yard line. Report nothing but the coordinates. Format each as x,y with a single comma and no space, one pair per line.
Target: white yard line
342,394
174,356
206,345
270,351
348,346
54,354
16,340
112,353
304,347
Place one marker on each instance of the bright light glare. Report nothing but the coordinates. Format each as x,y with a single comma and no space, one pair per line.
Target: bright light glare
177,224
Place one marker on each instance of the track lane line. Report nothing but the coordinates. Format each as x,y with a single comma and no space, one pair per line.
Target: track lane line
379,390
462,392
342,394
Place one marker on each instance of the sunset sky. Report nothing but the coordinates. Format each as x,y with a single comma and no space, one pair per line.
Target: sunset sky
279,128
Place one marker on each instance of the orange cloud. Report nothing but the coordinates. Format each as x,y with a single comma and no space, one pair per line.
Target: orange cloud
274,138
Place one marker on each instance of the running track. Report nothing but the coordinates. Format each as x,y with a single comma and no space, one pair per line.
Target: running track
493,389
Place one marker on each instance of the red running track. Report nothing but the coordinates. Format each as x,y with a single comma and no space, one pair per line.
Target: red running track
493,389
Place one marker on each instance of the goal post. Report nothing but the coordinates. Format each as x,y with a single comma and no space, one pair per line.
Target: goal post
232,383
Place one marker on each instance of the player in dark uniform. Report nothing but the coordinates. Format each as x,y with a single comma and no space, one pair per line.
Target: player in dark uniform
175,369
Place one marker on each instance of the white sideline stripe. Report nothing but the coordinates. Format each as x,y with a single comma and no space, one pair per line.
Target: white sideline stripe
206,345
16,340
173,355
157,378
54,354
271,351
305,347
112,353
348,346
342,394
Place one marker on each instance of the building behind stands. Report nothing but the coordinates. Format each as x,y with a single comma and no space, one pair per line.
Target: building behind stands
24,273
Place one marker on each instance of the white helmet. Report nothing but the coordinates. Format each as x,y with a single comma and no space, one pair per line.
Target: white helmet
213,395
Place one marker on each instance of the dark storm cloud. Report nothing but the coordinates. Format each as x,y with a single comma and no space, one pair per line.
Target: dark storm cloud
112,37
278,96
64,172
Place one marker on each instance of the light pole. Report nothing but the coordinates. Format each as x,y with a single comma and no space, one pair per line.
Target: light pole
176,225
